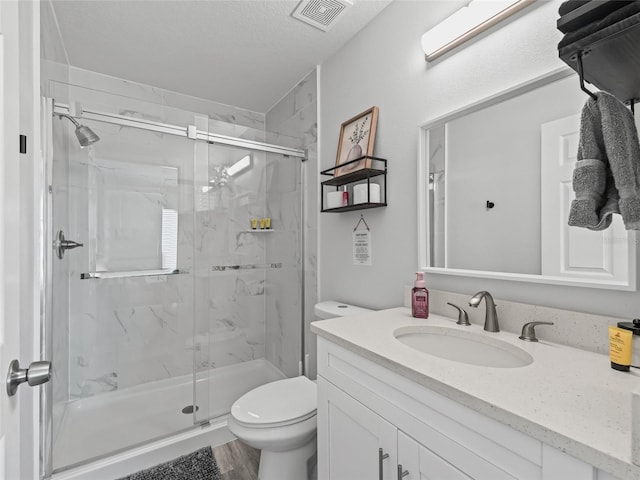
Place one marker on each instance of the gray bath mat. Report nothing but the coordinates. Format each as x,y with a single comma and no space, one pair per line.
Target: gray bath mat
199,465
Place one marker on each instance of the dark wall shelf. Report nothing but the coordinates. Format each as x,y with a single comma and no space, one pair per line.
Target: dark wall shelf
611,56
374,167
353,176
357,206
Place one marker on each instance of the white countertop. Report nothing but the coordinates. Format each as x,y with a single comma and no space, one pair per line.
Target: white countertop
567,398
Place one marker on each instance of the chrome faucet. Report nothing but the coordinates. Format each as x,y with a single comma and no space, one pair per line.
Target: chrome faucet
491,318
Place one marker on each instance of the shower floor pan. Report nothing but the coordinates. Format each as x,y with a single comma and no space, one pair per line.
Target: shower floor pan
95,427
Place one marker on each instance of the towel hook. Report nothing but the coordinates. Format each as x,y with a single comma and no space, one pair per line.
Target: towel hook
581,74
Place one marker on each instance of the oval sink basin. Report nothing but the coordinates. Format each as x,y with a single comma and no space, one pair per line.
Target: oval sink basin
464,347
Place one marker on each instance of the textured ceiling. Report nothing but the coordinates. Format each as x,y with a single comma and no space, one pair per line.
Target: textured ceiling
243,53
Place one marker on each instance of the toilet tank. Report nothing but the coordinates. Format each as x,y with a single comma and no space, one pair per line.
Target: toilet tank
332,309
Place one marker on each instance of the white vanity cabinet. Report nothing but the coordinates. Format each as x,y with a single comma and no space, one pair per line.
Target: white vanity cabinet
376,424
416,462
363,444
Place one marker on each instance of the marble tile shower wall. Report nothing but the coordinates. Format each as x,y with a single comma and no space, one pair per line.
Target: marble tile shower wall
234,313
245,304
123,332
130,331
225,118
127,331
296,116
53,59
284,285
60,287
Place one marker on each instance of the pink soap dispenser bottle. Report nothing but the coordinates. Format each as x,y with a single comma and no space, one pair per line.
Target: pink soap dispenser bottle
420,297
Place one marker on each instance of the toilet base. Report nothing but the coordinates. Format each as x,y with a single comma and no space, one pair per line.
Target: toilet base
287,465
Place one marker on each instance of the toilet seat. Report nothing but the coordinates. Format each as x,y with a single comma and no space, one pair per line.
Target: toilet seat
277,404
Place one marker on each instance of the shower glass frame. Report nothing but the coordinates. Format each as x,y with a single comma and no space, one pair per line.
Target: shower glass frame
201,135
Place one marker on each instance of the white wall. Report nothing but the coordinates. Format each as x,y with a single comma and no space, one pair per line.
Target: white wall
495,155
384,66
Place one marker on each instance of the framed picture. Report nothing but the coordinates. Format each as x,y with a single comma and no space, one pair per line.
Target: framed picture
357,136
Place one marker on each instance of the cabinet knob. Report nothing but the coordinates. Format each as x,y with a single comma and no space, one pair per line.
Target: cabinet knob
401,473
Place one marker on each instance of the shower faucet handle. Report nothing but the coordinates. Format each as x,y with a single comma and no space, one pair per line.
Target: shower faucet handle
62,244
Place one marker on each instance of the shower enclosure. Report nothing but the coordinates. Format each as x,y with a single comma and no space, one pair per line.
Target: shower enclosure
163,305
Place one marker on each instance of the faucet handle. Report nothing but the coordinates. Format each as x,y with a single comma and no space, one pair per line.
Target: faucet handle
463,318
528,331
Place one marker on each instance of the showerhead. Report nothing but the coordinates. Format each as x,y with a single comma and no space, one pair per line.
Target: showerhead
85,135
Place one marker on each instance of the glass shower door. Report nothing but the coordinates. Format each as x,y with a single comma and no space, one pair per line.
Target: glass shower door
170,306
250,234
121,305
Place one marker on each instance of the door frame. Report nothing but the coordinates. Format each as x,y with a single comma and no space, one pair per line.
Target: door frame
21,226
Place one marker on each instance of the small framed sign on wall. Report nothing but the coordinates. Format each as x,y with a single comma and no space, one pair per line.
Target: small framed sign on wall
362,244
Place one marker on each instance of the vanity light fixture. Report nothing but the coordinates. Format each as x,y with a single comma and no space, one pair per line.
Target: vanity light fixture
240,166
477,17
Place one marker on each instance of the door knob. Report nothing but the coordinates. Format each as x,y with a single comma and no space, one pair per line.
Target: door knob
37,374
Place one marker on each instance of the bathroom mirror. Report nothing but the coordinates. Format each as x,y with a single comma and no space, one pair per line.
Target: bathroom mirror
495,186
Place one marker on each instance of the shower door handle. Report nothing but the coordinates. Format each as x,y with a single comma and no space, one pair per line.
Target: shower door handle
37,374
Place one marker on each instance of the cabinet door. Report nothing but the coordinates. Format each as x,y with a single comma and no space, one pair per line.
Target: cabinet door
419,463
350,437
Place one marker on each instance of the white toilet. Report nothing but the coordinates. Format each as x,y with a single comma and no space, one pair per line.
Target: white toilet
279,417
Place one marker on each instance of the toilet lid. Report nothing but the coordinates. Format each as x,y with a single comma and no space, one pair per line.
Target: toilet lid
277,403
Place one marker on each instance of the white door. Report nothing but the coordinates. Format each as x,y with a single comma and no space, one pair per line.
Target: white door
9,268
19,60
572,251
354,443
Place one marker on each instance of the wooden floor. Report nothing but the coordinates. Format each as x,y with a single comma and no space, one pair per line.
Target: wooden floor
237,461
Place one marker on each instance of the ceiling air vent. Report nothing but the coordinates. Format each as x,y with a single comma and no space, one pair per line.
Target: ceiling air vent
322,14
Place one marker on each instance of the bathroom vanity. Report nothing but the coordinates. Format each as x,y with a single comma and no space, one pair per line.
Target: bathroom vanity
387,410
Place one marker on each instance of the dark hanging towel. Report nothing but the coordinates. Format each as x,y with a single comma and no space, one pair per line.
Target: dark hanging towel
570,6
614,21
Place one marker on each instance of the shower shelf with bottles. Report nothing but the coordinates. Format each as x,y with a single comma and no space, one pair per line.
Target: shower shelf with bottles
368,168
